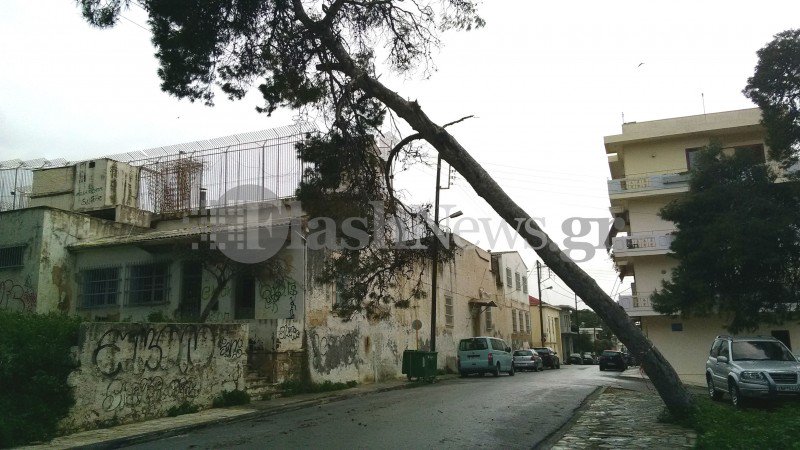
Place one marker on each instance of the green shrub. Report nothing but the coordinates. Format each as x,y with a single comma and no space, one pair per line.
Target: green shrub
231,398
293,387
183,408
35,360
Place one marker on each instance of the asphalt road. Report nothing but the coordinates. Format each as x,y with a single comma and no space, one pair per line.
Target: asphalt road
474,412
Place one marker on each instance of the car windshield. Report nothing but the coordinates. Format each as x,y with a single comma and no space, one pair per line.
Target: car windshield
523,353
540,350
608,353
760,351
472,344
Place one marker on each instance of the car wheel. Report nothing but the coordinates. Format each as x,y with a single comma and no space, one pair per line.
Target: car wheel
602,369
511,372
624,368
462,374
496,371
736,397
558,365
713,394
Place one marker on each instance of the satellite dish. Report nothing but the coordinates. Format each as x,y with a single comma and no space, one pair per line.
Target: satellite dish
416,324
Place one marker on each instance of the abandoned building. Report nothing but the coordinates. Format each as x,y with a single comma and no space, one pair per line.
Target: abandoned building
126,238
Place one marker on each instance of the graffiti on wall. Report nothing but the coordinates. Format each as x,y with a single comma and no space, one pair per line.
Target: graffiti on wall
16,296
149,348
130,372
279,298
331,352
132,393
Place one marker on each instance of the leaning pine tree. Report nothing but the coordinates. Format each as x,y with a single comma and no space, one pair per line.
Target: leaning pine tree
321,55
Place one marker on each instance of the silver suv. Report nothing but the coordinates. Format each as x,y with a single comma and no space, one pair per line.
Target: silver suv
751,367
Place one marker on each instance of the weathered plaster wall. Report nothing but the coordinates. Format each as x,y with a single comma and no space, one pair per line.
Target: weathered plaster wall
131,372
368,351
19,285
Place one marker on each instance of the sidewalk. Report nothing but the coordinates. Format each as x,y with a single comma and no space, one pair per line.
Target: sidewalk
638,374
134,433
624,419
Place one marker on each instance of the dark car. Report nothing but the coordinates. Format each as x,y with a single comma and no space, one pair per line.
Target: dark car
549,357
527,360
588,358
612,359
575,358
630,360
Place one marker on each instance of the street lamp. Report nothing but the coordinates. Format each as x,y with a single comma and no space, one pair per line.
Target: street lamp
435,252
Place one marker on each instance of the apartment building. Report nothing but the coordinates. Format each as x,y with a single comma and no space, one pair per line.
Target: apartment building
512,292
649,164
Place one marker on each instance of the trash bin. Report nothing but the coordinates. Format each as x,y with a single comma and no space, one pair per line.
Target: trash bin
419,364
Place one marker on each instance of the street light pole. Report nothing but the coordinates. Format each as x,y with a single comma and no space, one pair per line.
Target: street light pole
541,303
435,252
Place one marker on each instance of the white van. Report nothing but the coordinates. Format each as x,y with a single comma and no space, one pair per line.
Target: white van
484,354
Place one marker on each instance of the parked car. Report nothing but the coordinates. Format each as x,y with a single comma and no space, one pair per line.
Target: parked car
549,357
589,358
484,354
528,360
749,367
575,358
612,359
630,360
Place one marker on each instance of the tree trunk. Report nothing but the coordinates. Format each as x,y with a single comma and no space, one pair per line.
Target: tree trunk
661,373
214,299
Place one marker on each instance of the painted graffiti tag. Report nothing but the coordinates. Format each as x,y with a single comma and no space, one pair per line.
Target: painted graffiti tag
120,393
288,331
273,291
232,348
144,345
12,293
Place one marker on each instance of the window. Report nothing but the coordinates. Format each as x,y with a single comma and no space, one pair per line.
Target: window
754,151
11,256
100,287
528,321
516,278
715,348
508,277
524,285
514,320
448,310
724,351
691,157
499,345
488,318
148,284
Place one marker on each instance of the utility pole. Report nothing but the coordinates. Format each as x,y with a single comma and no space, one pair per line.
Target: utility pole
541,303
435,252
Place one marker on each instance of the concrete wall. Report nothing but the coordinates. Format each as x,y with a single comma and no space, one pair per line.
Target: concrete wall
131,372
19,285
368,351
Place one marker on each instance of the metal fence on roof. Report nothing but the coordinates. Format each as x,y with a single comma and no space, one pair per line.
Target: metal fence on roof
173,177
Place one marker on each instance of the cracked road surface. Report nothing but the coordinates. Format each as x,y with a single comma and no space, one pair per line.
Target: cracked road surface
504,412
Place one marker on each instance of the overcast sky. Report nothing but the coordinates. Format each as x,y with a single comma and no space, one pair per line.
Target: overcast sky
545,80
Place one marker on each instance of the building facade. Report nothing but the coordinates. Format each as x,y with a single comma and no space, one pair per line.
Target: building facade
649,164
513,315
546,330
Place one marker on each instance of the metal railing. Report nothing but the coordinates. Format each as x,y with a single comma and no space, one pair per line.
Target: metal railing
625,245
635,301
651,182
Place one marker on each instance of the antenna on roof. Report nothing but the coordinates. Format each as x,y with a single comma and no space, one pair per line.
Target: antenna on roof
703,99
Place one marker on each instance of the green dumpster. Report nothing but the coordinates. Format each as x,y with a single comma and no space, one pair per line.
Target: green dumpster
419,364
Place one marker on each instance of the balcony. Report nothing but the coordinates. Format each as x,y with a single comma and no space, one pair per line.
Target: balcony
637,304
656,243
650,184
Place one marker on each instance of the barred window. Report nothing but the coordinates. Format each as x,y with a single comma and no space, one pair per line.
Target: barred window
528,321
448,310
488,318
508,277
524,285
100,287
514,320
148,284
11,256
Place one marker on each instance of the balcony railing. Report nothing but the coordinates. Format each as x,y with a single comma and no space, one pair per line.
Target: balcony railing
635,301
650,244
644,183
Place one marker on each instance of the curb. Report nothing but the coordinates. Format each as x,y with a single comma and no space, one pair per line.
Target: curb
255,413
551,439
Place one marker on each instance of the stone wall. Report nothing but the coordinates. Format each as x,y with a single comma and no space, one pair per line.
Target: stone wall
131,372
